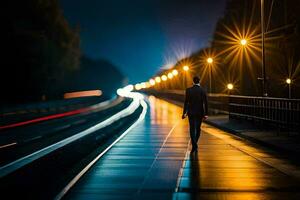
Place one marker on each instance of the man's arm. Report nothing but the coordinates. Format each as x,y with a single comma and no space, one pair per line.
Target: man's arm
205,104
186,102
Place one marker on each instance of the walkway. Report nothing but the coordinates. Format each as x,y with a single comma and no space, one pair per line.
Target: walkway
153,162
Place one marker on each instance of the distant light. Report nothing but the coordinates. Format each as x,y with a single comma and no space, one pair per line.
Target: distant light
164,77
288,81
138,86
128,88
229,86
143,85
175,72
88,93
148,84
209,60
186,68
170,75
243,42
152,81
157,79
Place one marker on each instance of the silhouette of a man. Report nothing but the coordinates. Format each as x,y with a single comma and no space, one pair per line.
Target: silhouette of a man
195,107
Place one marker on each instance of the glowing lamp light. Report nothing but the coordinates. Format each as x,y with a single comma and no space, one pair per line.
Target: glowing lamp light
175,72
148,84
152,82
129,88
243,42
170,75
288,81
229,86
164,77
143,85
186,68
158,79
138,86
209,60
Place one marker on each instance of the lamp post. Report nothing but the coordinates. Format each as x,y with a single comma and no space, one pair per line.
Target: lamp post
170,76
185,68
158,80
289,82
263,78
210,61
164,78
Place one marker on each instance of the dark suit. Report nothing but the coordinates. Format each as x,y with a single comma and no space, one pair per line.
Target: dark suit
195,106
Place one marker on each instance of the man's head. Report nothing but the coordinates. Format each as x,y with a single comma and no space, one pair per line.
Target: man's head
196,80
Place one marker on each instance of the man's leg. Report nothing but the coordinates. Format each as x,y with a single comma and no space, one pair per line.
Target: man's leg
198,122
193,131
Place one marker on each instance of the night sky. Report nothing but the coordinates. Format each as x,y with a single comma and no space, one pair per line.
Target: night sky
142,36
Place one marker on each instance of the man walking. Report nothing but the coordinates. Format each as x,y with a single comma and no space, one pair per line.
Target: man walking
195,107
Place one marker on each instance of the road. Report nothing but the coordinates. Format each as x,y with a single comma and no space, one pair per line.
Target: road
20,141
153,161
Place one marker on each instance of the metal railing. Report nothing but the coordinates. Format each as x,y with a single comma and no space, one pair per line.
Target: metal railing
277,112
281,112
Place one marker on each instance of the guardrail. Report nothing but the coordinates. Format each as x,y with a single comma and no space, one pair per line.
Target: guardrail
278,112
281,112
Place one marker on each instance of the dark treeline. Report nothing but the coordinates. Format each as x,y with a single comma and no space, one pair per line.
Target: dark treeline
240,65
95,74
41,54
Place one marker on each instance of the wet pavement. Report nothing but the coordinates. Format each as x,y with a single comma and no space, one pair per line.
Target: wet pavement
153,162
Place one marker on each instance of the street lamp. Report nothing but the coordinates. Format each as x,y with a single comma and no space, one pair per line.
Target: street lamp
289,82
229,87
138,86
210,61
243,42
157,79
175,72
152,82
170,75
263,63
185,68
164,77
143,85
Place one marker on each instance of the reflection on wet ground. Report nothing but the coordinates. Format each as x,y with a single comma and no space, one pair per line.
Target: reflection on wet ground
153,162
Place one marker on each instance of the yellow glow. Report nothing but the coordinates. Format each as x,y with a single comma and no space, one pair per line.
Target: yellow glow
209,60
229,86
143,85
148,84
138,86
240,45
152,81
243,42
175,72
164,77
288,81
170,75
157,79
186,68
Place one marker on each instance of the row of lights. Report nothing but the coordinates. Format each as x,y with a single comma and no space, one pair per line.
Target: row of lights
186,68
156,80
170,75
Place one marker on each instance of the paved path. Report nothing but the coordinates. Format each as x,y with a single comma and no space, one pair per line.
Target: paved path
153,162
